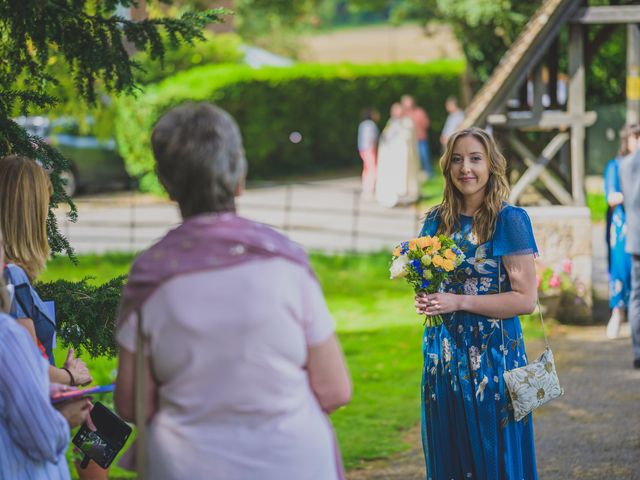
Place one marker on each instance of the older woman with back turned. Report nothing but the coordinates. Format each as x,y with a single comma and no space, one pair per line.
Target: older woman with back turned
242,362
24,204
468,428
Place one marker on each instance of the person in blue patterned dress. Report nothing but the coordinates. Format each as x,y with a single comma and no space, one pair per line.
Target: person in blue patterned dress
468,429
619,260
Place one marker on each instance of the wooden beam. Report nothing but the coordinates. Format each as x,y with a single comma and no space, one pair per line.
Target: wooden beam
538,92
524,53
607,14
552,65
549,120
537,168
576,106
633,74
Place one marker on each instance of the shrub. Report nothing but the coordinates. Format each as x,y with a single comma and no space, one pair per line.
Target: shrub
86,313
215,48
321,102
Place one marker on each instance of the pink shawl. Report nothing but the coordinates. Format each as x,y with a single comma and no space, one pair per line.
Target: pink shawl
204,242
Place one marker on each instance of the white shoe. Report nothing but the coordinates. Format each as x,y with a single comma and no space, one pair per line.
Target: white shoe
613,327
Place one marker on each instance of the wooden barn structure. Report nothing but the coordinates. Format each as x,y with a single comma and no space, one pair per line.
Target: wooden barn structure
526,94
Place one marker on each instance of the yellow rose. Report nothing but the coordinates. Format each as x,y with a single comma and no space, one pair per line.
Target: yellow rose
449,254
424,242
413,245
437,260
436,244
447,265
397,251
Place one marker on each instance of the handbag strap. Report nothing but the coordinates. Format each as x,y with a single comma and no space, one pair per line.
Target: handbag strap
544,333
141,402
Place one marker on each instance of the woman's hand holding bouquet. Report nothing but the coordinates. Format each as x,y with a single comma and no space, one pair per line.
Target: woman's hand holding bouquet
425,262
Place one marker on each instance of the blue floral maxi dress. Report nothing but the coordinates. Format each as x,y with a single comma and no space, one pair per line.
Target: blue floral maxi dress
468,429
619,260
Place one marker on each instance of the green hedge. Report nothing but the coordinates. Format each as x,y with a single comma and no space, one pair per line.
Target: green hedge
215,48
321,102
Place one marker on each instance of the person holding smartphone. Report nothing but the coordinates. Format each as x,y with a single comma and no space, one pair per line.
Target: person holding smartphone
34,435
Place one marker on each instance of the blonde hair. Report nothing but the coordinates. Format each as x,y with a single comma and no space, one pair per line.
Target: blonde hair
496,190
5,304
25,190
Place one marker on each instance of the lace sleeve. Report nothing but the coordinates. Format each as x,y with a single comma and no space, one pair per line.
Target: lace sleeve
514,234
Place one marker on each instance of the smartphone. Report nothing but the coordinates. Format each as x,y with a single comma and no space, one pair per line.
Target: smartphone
111,434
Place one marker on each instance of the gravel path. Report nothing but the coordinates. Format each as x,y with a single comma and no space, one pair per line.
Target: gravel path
592,433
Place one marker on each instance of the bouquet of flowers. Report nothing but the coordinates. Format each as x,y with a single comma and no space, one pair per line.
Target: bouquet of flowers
425,262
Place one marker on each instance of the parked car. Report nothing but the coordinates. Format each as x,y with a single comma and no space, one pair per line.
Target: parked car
95,163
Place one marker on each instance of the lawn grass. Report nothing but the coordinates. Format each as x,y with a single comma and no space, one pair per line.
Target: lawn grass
379,332
597,204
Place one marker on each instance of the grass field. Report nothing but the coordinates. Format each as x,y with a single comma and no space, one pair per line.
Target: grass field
379,332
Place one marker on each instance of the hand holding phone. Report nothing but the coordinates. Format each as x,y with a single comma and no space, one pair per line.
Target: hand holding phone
102,444
75,411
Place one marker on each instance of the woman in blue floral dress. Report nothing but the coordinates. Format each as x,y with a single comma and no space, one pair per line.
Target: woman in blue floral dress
468,429
619,260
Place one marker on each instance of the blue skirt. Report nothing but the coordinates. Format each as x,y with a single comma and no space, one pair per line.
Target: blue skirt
468,429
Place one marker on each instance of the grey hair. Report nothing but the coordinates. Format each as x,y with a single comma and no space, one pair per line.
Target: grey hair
199,156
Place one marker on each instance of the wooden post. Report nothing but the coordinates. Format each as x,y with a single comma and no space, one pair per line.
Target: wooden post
552,61
633,74
576,108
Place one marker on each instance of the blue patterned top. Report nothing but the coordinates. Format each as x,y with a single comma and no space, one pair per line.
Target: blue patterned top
513,234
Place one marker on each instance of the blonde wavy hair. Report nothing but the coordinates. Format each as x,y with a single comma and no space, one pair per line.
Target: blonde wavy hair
25,190
5,305
496,190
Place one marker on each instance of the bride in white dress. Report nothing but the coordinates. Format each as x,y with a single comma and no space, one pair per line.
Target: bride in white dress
398,162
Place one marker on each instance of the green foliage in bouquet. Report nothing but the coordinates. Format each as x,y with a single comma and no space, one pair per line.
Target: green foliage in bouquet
425,263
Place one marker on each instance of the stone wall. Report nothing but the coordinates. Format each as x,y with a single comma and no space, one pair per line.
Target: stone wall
565,233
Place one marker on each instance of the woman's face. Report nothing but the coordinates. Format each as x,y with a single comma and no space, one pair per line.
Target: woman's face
469,166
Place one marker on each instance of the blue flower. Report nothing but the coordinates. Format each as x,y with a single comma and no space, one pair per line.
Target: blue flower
405,247
425,283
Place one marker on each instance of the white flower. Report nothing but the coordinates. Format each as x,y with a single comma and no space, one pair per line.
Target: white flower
398,268
473,238
495,323
480,262
470,286
497,397
434,358
460,328
617,287
485,283
481,387
496,379
474,357
446,350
